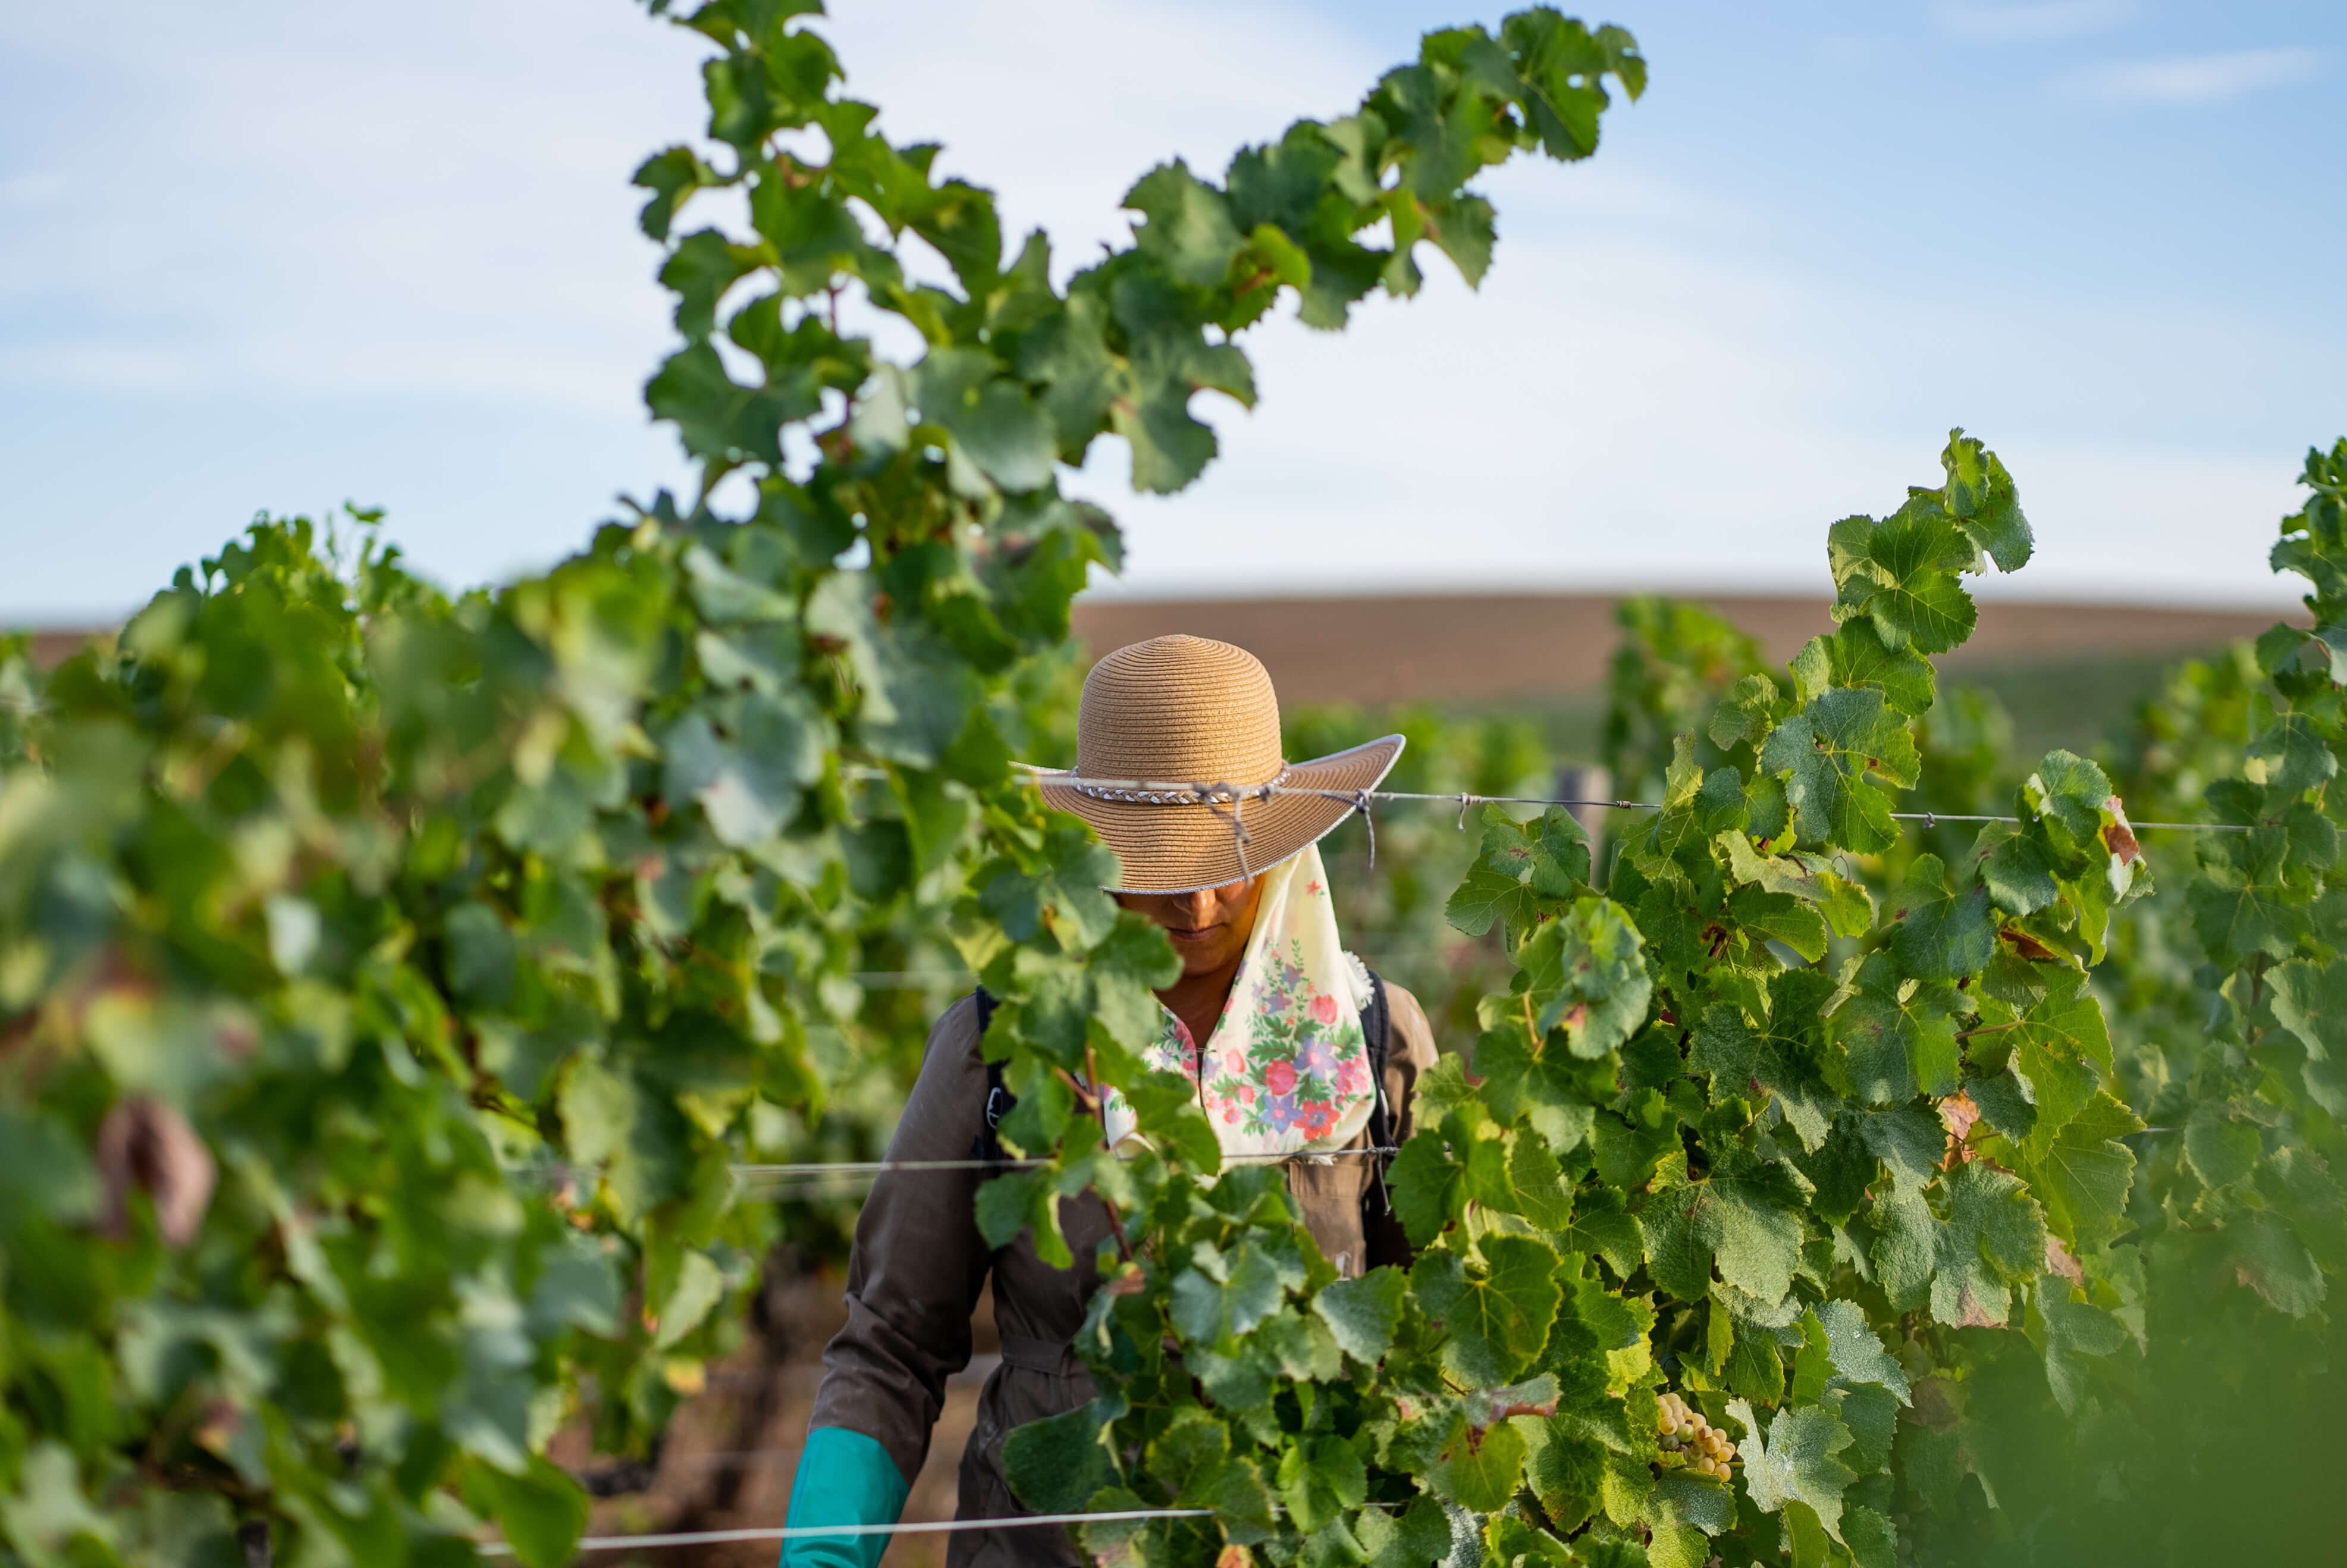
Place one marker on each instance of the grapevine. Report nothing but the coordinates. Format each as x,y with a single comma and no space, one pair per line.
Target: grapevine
390,980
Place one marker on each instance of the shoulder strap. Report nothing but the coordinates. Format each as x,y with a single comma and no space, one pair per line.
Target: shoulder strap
1377,1020
1376,1024
988,1144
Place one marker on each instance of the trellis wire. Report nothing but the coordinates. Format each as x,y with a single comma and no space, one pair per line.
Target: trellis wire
814,1531
1372,946
1223,794
833,1169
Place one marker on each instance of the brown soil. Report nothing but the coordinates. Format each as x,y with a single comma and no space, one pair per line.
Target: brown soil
1478,648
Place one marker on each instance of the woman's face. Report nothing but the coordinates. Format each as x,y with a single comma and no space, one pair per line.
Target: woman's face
1209,928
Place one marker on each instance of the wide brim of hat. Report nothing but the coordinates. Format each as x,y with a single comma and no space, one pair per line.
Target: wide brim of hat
1182,846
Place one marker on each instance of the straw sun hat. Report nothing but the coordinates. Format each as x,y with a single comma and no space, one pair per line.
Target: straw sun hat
1191,710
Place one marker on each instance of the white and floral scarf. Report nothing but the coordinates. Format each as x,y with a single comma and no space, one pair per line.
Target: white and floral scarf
1286,1070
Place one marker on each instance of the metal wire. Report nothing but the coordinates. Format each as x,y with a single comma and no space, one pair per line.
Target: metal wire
1372,947
822,1531
834,1169
1222,794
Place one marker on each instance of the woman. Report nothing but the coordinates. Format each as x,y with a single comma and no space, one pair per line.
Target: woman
1291,1067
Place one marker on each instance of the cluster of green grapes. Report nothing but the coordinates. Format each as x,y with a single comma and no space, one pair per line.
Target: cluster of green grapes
1704,1447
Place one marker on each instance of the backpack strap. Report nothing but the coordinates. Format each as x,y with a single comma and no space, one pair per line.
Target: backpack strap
988,1144
1377,1025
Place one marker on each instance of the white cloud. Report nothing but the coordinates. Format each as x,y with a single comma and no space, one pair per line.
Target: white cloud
2194,79
2020,20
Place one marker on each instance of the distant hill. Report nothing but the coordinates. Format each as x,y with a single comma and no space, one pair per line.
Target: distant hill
1551,648
1510,648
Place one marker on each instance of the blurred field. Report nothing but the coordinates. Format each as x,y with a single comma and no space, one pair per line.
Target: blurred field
2067,672
1480,648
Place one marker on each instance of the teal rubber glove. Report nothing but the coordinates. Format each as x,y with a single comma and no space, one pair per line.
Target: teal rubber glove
845,1478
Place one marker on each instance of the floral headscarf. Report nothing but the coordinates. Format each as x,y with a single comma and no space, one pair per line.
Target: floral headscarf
1286,1070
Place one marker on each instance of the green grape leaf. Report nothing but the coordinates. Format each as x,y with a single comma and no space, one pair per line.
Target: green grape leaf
2083,1175
541,1511
1480,1471
2237,917
1318,1483
1853,655
1603,1227
1744,1221
2016,870
1055,1464
1854,1351
1904,1249
2292,756
1697,1501
1780,917
1749,711
2067,1025
1194,1446
1872,1539
718,419
989,416
1213,1304
1899,575
1627,1148
1564,1467
1843,1170
1943,935
2267,1255
1908,1142
2072,1329
1512,871
1487,895
1186,225
1552,1092
1900,1034
1831,754
2309,1000
1981,496
1586,975
672,175
1413,1537
2221,1145
1363,1313
1165,1107
1778,1058
1994,1237
1796,1462
481,954
1439,1171
1497,1313
1872,1413
1536,1186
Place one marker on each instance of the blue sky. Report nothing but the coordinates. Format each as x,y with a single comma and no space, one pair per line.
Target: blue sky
272,254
